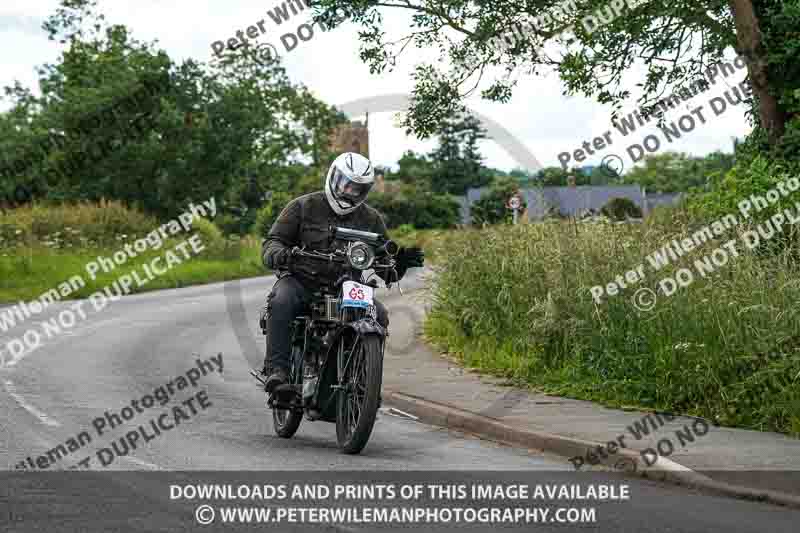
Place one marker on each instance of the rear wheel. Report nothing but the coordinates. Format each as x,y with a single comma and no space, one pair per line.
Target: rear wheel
357,402
287,421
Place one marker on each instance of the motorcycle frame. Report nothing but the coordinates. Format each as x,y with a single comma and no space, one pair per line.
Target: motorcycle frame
353,321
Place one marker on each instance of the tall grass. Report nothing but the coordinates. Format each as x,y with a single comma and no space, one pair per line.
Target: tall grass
516,301
72,225
43,246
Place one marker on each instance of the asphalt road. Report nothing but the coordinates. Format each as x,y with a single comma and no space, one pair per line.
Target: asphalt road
56,392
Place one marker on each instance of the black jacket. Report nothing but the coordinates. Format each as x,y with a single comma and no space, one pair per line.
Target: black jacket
309,221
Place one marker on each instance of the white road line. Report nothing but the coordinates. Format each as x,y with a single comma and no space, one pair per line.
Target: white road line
142,463
393,411
668,464
88,328
43,418
48,445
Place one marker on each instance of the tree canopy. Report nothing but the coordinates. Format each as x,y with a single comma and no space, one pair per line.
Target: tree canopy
233,130
678,172
454,165
674,42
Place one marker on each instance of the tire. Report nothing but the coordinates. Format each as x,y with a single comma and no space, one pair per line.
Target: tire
284,421
354,426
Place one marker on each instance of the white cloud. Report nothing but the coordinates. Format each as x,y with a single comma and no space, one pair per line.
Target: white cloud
538,115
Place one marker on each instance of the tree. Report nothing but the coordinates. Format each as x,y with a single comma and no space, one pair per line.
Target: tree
674,42
558,177
677,172
524,177
118,119
419,208
414,168
603,175
457,162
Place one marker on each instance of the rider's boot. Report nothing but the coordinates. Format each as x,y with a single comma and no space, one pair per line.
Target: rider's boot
278,377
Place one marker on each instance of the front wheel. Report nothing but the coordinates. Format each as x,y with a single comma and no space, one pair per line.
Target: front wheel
286,422
357,401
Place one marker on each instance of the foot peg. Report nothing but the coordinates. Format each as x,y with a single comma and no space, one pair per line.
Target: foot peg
260,379
285,396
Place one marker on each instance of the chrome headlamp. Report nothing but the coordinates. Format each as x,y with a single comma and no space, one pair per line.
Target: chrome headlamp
360,255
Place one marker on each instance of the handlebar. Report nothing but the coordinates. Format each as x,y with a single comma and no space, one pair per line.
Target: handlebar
336,256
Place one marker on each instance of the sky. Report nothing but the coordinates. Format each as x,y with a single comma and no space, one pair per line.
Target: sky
539,116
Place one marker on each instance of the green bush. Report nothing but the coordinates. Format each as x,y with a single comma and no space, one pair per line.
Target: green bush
491,207
211,236
621,209
267,215
73,225
404,230
756,177
420,209
229,224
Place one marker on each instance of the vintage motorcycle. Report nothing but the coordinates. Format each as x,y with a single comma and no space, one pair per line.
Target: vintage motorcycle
336,362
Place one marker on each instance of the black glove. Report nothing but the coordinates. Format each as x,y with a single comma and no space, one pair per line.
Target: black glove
284,258
408,258
411,257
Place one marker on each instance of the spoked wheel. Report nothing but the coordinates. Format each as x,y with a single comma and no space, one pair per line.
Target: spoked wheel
357,402
286,421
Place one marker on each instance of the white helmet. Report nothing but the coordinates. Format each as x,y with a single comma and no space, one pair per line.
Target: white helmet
348,183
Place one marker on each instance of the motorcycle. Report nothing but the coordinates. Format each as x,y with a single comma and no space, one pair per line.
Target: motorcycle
337,350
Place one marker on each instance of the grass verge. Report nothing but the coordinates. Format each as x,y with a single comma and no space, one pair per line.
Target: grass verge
26,273
516,302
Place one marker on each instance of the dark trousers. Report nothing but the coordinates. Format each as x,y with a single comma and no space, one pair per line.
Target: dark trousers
288,299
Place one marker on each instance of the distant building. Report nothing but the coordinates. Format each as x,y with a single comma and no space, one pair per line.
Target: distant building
351,137
573,201
383,186
653,200
380,183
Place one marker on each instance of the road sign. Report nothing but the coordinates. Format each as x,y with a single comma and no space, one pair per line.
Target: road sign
515,203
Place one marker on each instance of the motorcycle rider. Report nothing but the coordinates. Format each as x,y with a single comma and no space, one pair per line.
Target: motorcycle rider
309,221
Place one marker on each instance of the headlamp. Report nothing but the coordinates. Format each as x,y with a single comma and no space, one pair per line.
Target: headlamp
360,255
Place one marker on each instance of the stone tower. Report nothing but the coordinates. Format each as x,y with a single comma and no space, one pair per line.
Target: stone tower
352,137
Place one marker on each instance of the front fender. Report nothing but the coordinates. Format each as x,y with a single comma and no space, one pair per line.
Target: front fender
366,326
329,374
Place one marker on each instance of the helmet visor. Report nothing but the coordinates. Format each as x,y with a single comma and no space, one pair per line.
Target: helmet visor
347,191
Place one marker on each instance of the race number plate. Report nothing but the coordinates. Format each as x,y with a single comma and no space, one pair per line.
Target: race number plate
356,295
